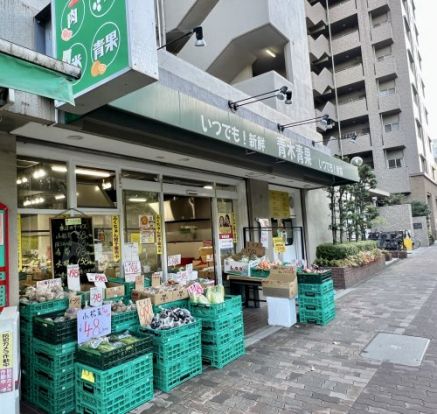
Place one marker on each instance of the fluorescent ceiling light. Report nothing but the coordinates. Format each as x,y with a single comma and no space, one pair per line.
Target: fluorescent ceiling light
207,187
270,53
39,174
106,186
59,197
59,168
92,173
137,200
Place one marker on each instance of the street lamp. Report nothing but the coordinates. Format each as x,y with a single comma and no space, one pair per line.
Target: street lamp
198,31
283,94
327,122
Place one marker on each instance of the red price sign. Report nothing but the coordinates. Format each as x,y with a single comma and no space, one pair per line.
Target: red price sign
73,277
145,311
96,296
93,323
132,268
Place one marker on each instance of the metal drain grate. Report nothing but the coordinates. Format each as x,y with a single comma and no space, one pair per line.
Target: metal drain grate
397,349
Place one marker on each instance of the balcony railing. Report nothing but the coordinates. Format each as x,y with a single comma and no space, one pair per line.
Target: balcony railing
346,42
349,75
381,32
342,10
353,109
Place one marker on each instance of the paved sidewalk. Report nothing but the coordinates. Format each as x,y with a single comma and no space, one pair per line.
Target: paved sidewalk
312,369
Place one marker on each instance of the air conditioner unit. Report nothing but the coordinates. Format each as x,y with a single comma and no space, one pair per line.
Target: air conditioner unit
7,98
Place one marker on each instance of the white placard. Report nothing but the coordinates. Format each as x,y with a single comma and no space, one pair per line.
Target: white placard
130,252
93,322
49,283
73,277
96,296
132,269
189,269
174,260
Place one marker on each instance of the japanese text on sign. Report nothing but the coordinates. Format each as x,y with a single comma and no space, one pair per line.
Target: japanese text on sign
145,311
6,362
116,238
131,270
93,323
96,296
174,260
73,277
49,283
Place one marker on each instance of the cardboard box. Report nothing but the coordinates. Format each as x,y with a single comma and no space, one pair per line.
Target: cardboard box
155,298
180,294
114,290
206,254
240,268
282,283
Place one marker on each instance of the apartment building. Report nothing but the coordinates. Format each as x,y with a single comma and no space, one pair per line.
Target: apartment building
366,71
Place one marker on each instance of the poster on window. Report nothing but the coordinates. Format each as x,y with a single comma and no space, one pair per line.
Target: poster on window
2,238
146,222
226,239
264,237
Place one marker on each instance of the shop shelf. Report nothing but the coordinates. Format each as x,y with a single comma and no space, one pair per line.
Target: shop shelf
231,306
122,321
316,289
100,383
60,402
121,402
223,336
54,332
162,336
320,301
35,309
317,316
219,356
115,357
225,322
182,303
55,381
314,278
54,358
169,376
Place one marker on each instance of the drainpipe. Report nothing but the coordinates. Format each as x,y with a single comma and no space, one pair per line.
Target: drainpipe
160,22
337,110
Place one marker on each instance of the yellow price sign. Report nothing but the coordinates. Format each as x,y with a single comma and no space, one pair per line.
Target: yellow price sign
88,376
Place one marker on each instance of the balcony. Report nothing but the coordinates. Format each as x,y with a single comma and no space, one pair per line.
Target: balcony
394,138
361,144
344,43
353,109
389,103
318,47
323,82
385,67
342,10
315,14
349,76
377,4
381,33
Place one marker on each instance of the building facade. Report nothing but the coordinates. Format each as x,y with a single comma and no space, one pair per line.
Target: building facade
172,150
366,70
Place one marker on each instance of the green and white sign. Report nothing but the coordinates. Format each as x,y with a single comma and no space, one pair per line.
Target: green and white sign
108,41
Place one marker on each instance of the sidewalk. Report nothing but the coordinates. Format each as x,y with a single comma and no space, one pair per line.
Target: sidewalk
312,369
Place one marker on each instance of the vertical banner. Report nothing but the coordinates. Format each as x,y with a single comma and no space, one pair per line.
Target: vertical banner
158,234
234,228
6,362
19,243
116,238
225,230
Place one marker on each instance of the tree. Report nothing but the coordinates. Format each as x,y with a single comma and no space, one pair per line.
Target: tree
419,209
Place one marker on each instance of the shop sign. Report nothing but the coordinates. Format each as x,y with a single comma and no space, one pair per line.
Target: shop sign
174,108
93,323
158,235
278,245
279,204
116,238
225,230
113,43
6,362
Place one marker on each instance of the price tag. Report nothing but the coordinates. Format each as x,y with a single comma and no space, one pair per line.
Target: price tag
100,280
139,282
74,302
132,268
145,311
156,279
174,260
96,296
93,323
195,289
73,277
87,376
49,283
189,269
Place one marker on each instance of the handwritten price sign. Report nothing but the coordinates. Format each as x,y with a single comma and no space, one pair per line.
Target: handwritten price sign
49,283
74,302
174,260
99,279
73,277
145,311
93,323
132,268
96,296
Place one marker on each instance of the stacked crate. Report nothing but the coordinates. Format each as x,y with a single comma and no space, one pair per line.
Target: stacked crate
115,390
222,330
316,298
177,355
27,314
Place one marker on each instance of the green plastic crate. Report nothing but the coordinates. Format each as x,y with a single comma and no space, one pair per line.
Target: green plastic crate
54,358
224,336
54,381
254,272
60,402
220,356
320,301
313,278
316,288
162,336
121,402
231,306
182,303
122,321
220,324
34,309
26,326
317,316
100,383
54,332
169,376
27,387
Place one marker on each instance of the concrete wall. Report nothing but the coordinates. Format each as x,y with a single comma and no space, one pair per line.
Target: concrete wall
421,233
395,218
8,196
317,220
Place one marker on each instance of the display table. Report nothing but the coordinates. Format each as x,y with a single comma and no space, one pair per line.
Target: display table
246,286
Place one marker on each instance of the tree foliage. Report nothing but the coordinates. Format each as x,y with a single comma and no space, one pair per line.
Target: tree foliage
419,209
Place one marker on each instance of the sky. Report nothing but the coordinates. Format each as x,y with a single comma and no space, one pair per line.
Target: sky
426,15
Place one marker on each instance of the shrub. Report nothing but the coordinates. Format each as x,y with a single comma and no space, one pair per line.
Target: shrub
360,259
329,251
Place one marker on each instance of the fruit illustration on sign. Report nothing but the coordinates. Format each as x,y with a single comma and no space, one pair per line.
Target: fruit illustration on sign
98,68
72,3
66,35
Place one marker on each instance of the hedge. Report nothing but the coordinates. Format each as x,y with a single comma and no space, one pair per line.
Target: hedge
329,251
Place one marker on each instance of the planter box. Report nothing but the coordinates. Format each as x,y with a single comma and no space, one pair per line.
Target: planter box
388,257
399,254
346,277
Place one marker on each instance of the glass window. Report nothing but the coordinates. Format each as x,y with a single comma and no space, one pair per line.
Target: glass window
141,210
135,175
395,158
95,188
227,227
41,184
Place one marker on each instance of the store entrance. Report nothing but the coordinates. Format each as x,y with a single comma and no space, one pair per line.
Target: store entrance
189,234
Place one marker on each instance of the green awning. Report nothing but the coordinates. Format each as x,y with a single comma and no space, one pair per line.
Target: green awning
24,76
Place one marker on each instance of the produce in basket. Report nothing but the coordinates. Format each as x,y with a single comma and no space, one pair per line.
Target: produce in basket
171,318
109,343
120,307
264,265
42,294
